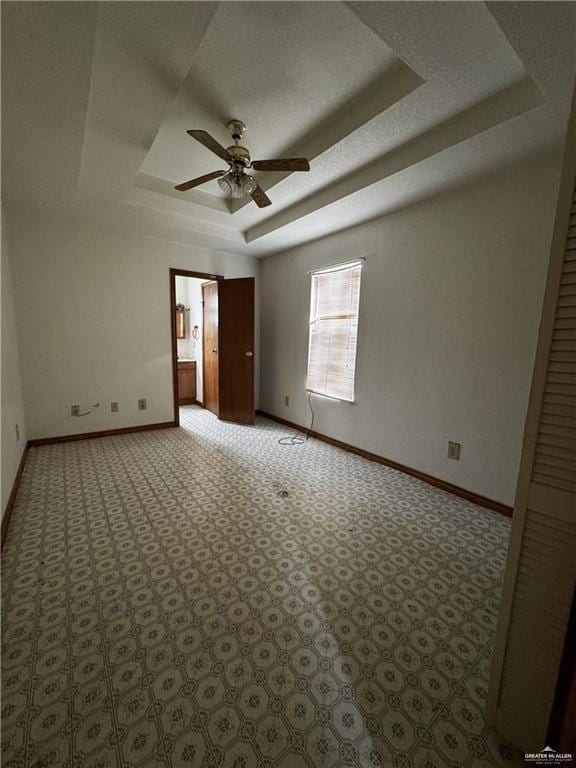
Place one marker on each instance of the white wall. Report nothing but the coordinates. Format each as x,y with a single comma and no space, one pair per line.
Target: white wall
189,293
12,417
449,311
93,312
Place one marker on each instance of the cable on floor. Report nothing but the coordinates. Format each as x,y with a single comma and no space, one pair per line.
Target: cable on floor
300,437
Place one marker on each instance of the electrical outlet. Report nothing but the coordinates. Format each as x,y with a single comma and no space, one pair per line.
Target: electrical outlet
142,404
114,407
17,432
286,399
454,451
74,410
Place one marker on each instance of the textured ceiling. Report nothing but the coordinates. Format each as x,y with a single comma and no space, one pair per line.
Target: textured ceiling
390,101
277,76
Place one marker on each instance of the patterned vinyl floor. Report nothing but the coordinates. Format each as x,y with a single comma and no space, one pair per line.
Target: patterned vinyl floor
207,597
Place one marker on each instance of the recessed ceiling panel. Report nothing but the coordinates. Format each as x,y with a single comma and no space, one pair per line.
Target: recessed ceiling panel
374,94
282,68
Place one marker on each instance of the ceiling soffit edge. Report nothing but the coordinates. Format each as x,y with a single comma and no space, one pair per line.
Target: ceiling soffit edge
510,102
195,196
142,55
379,95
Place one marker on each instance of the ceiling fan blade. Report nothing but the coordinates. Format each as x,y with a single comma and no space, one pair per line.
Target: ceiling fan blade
210,143
260,198
200,180
292,164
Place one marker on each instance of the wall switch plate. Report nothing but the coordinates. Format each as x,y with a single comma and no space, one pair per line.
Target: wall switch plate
454,451
114,407
74,410
286,399
17,432
142,404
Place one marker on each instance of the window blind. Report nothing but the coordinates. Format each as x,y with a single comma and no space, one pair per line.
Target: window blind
334,301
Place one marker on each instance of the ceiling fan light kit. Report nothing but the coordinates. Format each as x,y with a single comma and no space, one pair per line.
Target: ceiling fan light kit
237,186
235,182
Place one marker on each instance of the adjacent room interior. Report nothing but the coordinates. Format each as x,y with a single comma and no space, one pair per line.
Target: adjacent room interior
288,384
189,331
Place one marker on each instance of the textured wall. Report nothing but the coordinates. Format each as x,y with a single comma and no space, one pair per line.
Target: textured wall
94,319
449,309
13,442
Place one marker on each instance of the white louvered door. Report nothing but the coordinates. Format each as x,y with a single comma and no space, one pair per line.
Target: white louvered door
541,569
555,457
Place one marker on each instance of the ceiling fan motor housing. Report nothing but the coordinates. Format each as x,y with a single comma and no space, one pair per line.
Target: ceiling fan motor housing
240,154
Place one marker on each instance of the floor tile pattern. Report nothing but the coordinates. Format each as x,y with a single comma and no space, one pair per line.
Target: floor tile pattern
204,596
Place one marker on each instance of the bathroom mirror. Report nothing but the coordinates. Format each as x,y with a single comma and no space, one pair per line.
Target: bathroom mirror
180,321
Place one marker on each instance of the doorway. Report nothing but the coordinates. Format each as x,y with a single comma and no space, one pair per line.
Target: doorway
212,327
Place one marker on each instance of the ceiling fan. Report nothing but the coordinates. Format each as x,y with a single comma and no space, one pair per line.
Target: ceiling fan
235,181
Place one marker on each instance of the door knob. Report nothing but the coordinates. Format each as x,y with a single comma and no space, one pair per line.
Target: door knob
214,350
249,354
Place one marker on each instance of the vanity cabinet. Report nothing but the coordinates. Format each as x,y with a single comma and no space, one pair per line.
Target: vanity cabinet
186,382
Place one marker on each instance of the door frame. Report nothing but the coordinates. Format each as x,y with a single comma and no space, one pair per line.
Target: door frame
174,273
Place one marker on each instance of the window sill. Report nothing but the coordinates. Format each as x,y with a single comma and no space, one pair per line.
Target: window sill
330,397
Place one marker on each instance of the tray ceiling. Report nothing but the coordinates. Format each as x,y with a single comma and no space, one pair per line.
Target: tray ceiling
390,101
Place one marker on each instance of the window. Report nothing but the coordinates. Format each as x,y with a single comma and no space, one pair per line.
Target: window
333,330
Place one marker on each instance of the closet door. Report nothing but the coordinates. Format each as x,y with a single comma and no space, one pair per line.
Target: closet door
210,347
535,658
236,350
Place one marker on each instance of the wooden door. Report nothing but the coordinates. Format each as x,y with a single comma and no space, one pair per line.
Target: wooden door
236,350
210,346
